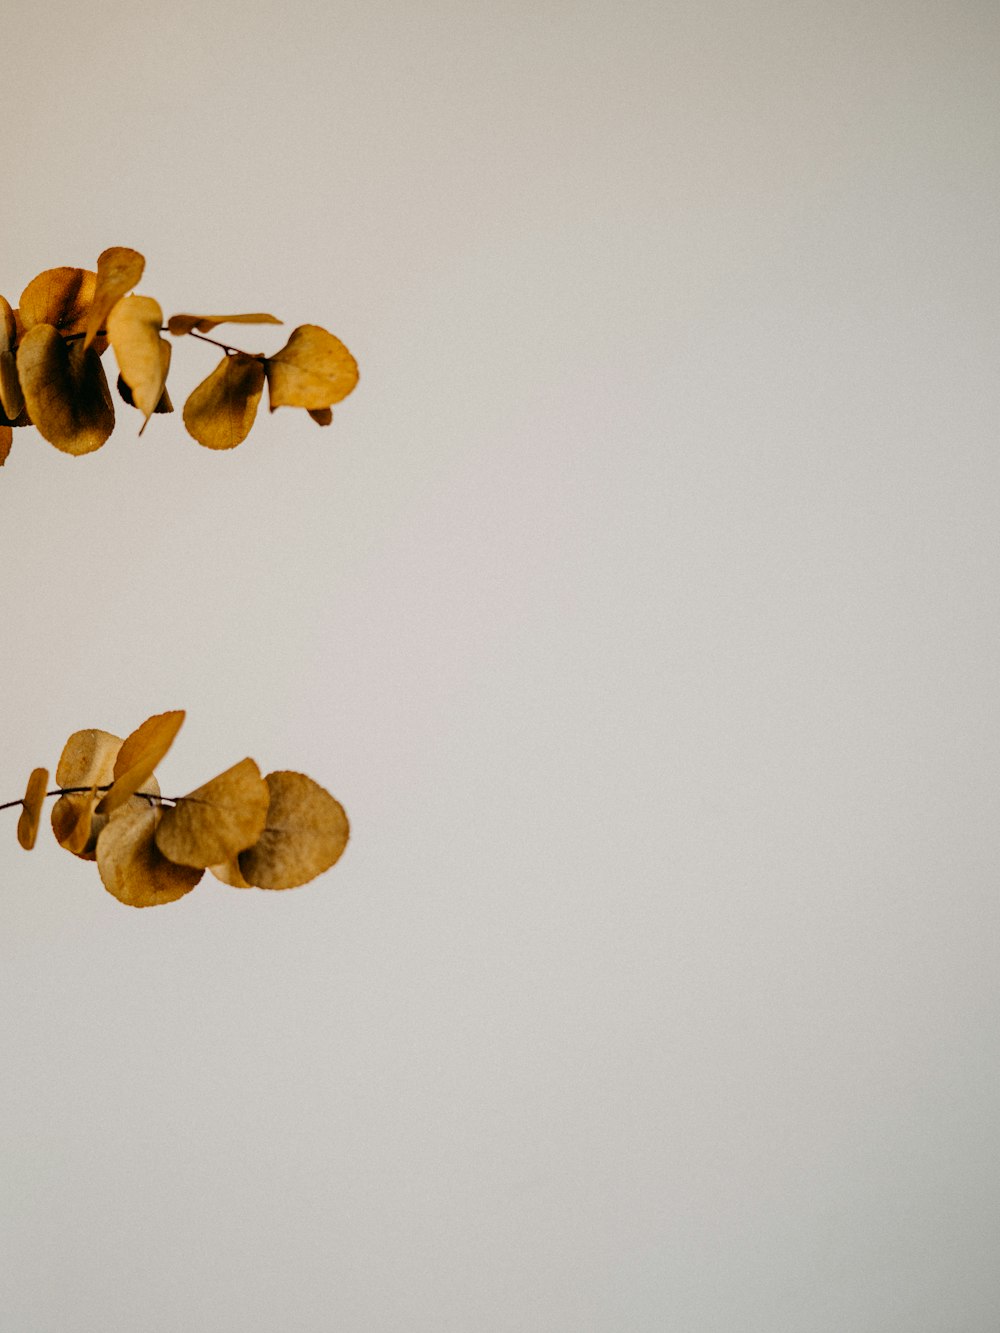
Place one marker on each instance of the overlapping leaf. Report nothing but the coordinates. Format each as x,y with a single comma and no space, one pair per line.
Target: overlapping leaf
118,271
133,868
143,355
215,822
305,832
139,754
65,390
61,297
31,810
221,410
313,370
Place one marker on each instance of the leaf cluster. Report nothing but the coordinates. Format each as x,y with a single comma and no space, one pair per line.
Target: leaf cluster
273,832
52,375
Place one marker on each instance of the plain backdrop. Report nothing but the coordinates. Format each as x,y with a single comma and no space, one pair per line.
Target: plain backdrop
641,606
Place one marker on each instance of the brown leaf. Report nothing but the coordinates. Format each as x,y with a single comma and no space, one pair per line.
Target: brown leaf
313,370
8,325
321,415
229,873
118,271
31,810
164,405
77,826
11,395
139,755
6,440
216,821
205,323
305,833
143,356
65,391
133,868
87,760
60,297
221,410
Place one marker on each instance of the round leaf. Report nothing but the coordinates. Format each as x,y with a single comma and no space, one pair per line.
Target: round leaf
60,297
65,391
139,755
313,370
143,356
133,868
221,410
305,833
216,821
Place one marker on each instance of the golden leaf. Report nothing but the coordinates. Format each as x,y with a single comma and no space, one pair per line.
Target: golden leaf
88,758
133,868
321,415
216,821
31,810
143,356
77,826
65,390
60,297
305,833
8,325
139,755
6,440
11,396
221,410
229,873
205,323
164,405
313,370
118,271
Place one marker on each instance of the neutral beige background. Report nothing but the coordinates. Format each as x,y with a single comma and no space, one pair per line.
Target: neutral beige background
641,606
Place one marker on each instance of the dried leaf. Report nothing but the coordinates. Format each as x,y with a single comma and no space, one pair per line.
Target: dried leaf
118,271
77,826
8,325
143,356
216,821
305,833
139,755
164,405
133,868
60,297
6,440
229,873
321,415
65,391
11,396
221,411
31,810
88,758
313,370
205,323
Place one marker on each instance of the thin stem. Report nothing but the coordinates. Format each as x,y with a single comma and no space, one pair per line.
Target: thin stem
202,337
151,796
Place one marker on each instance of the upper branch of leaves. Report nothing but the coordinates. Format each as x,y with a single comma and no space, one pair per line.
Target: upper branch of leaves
52,375
273,832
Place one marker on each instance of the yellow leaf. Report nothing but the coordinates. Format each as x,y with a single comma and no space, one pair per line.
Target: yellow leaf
221,411
77,826
31,810
164,405
65,390
139,755
133,868
118,271
305,833
60,297
11,396
229,873
6,440
216,821
313,370
8,325
88,762
143,356
205,323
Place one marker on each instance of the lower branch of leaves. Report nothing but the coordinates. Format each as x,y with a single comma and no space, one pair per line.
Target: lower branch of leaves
250,831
